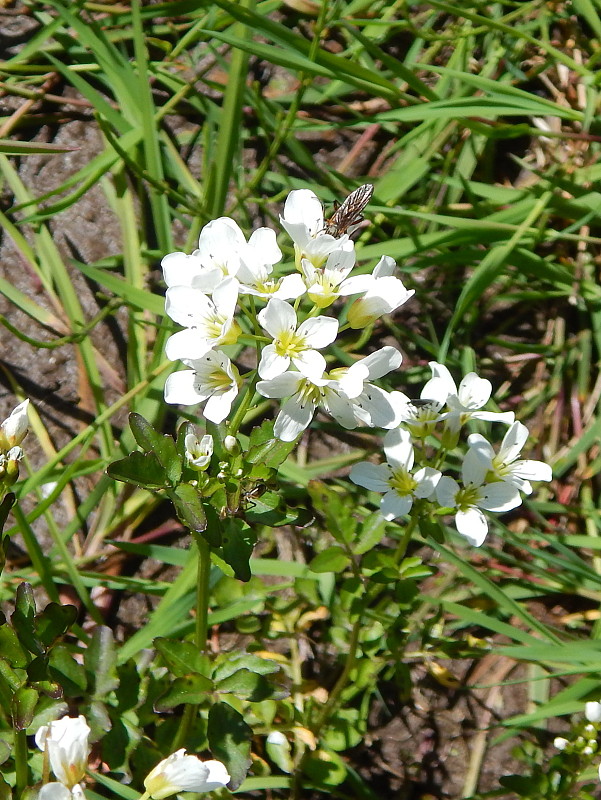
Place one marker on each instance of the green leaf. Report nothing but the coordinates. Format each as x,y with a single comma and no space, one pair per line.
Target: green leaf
141,469
229,739
100,661
186,689
279,753
162,446
188,507
344,730
23,706
11,648
336,509
23,620
265,449
5,507
13,148
333,559
54,621
250,686
13,678
236,661
370,534
182,658
238,540
66,671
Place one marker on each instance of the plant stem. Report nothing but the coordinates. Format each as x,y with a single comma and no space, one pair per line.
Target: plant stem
200,631
202,592
21,769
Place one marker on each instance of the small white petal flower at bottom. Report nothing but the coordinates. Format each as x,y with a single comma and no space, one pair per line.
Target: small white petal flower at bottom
57,791
185,773
66,742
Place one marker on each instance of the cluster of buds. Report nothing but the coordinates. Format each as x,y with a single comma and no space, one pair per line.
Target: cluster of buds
66,748
12,432
584,741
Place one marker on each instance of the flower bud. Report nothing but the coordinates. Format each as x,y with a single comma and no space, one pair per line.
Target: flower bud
14,428
592,711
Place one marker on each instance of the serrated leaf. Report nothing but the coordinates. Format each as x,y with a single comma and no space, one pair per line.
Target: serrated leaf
334,559
162,446
141,469
229,739
186,689
250,686
182,658
23,706
238,540
54,621
188,507
100,661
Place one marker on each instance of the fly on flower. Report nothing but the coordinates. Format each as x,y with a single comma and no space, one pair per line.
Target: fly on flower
350,213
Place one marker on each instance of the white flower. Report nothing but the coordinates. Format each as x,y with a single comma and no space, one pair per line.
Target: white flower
56,791
592,711
208,322
185,773
222,252
372,405
212,378
419,417
261,284
198,452
395,479
290,343
383,293
503,466
66,743
464,402
304,396
474,495
14,428
327,283
304,222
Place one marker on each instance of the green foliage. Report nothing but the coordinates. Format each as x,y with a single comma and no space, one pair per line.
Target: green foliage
478,126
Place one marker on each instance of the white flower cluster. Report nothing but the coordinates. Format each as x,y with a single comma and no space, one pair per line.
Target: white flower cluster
227,273
490,480
65,745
